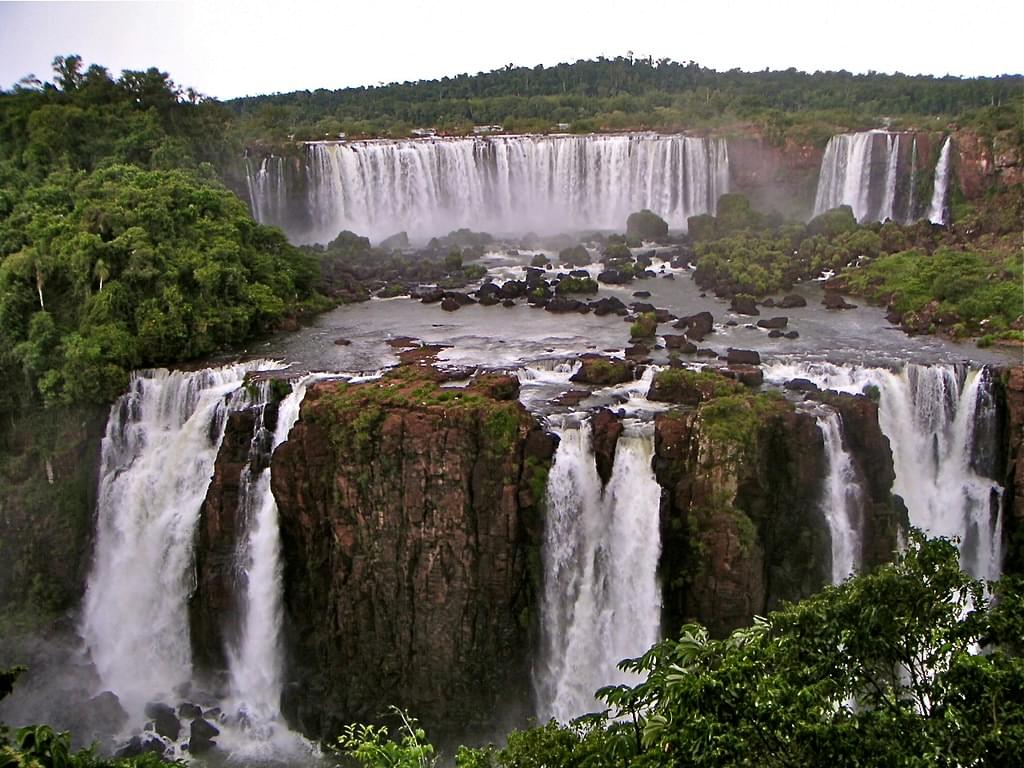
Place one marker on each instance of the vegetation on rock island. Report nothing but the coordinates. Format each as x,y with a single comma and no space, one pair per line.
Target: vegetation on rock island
881,670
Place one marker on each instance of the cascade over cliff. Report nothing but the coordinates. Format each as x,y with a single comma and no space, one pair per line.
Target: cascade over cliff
408,518
742,524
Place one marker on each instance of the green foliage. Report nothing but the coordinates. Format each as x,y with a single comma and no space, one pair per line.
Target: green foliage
371,746
735,419
576,256
646,225
183,268
568,285
645,326
631,93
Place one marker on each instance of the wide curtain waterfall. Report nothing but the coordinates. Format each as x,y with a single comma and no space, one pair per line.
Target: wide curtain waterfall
875,173
601,600
504,184
939,420
158,457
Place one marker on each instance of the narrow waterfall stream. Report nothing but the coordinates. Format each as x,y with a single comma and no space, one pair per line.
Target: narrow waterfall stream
842,500
601,601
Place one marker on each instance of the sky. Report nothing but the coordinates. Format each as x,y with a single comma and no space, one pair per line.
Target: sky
225,48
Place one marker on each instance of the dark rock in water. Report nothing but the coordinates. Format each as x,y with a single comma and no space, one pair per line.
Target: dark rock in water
512,289
449,304
637,352
614,277
105,712
751,375
742,357
430,295
188,711
610,305
773,323
894,316
744,305
602,371
487,289
641,294
801,385
534,276
647,274
606,428
508,303
580,273
201,736
791,335
669,276
489,300
679,342
696,326
464,299
705,352
833,300
769,302
663,316
572,398
165,721
342,342
561,304
640,307
140,745
775,333
687,387
731,323
792,300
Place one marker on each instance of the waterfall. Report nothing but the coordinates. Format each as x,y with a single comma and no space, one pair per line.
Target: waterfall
501,184
255,665
845,176
842,500
158,455
867,172
937,208
931,416
601,600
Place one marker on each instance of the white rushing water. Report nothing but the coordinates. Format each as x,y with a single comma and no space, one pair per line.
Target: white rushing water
158,454
931,416
842,500
601,601
255,666
845,176
937,207
500,184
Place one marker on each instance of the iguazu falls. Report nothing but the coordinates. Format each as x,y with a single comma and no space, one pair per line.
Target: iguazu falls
623,412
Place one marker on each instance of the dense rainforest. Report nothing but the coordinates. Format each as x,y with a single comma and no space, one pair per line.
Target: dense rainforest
635,93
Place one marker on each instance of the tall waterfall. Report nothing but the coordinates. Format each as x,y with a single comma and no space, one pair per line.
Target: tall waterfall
505,184
933,417
875,174
842,501
158,454
255,665
937,208
601,601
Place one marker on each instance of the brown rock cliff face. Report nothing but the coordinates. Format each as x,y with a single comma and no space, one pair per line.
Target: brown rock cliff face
741,524
782,178
405,515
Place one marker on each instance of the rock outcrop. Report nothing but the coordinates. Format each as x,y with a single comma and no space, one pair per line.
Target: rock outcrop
1013,496
410,532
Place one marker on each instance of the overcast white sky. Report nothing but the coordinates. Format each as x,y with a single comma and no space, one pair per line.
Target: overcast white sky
225,48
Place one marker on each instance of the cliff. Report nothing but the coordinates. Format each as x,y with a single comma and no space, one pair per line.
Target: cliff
742,529
409,517
1012,381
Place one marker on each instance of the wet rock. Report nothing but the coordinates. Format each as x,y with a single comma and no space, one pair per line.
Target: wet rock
140,745
801,385
464,299
686,387
638,353
602,371
641,294
105,713
610,305
560,304
342,342
696,326
744,305
614,277
680,343
772,323
791,301
606,428
201,735
189,711
165,721
751,375
512,289
742,357
489,300
449,304
705,352
775,333
572,398
791,335
429,295
508,303
769,302
833,300
668,276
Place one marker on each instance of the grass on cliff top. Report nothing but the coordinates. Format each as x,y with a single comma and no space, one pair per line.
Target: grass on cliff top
735,419
356,411
710,384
